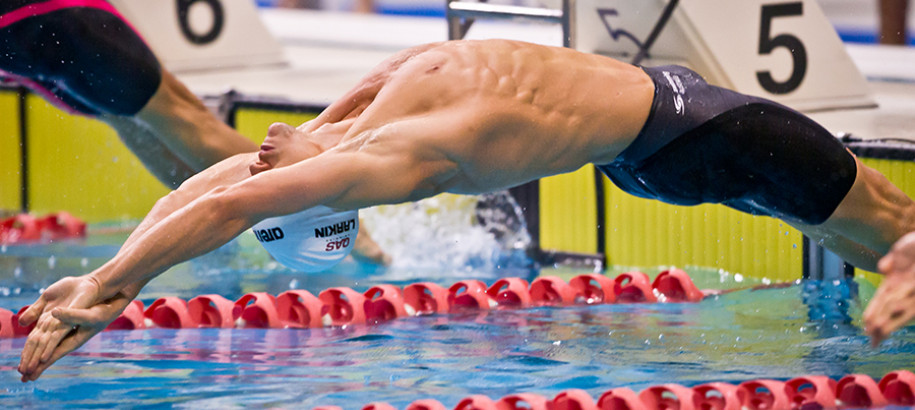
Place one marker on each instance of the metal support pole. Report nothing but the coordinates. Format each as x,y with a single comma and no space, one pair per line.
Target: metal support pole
461,15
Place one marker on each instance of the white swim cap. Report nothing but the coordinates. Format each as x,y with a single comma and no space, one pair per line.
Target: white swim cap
309,241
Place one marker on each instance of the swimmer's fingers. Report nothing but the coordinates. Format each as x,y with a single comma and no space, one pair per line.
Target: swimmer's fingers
48,331
885,264
33,312
64,330
901,256
71,342
892,306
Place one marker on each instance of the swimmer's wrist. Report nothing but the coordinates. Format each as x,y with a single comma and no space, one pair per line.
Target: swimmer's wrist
102,290
107,287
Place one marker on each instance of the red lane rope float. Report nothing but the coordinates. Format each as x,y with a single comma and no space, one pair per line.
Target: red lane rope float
716,395
6,324
425,298
299,309
131,319
384,303
211,311
805,392
469,294
343,306
633,287
25,228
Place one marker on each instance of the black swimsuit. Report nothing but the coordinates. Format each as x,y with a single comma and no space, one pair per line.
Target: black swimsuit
80,54
705,144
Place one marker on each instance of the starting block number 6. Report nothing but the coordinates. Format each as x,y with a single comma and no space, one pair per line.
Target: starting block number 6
203,34
184,21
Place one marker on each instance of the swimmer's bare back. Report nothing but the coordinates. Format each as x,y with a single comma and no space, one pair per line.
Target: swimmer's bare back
489,114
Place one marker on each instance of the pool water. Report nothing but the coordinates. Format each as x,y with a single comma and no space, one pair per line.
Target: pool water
779,333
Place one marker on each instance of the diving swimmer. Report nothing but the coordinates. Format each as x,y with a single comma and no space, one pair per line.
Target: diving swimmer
470,117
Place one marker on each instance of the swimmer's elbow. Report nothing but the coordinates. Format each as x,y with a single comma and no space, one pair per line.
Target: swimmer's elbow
236,204
223,206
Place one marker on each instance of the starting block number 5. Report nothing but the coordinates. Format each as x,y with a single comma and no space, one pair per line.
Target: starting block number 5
203,34
783,50
769,43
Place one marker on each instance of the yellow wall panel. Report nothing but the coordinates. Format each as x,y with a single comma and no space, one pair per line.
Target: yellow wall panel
10,154
79,165
901,174
568,212
253,123
643,232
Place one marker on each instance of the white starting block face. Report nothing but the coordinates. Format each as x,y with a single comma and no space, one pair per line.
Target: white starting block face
203,34
784,50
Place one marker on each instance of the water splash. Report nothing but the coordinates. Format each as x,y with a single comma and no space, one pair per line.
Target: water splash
451,233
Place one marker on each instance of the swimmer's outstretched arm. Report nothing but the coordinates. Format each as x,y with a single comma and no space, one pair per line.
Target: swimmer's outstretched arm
893,306
85,305
77,292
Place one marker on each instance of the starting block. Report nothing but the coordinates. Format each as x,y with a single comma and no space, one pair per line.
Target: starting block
783,50
203,34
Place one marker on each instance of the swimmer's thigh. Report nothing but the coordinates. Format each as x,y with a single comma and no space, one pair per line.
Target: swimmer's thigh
83,54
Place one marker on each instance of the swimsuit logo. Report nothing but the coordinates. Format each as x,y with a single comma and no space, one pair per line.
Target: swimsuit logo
269,235
677,86
335,229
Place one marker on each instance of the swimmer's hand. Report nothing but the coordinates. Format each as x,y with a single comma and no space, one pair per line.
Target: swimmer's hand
893,306
67,315
366,250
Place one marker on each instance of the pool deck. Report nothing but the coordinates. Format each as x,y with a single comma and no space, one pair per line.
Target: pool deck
328,53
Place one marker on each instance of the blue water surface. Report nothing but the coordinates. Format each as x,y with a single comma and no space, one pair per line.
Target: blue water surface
779,333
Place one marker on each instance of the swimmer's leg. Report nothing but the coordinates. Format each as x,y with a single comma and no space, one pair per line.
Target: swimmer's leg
850,251
191,132
170,170
874,214
89,60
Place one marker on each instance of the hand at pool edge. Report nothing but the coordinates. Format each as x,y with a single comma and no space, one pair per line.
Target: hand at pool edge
893,305
67,316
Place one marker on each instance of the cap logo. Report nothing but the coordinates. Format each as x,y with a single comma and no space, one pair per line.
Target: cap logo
269,235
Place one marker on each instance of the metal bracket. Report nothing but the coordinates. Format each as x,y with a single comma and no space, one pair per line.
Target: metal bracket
462,14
